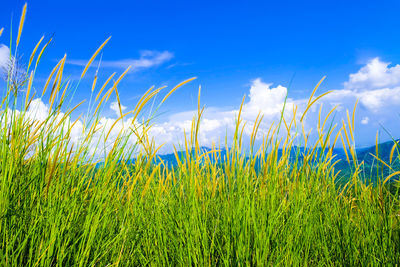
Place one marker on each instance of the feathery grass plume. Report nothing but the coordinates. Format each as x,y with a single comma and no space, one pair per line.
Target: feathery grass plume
95,75
21,23
115,122
310,102
381,161
57,83
104,85
94,56
143,102
28,90
392,152
51,75
118,81
390,176
34,52
253,135
176,88
119,102
41,53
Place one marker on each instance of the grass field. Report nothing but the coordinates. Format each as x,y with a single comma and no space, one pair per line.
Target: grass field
60,207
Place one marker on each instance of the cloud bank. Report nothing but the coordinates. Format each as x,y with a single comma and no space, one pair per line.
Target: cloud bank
376,85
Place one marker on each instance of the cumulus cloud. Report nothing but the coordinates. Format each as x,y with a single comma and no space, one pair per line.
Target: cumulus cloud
376,85
375,75
147,59
38,110
381,99
265,99
216,123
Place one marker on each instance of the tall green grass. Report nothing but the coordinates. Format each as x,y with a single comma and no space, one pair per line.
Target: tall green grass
59,207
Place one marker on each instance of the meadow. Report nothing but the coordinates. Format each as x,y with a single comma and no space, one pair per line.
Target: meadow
61,206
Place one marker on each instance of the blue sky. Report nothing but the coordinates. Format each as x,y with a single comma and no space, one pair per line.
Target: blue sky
228,45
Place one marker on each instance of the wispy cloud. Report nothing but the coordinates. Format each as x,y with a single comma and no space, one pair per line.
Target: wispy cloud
173,65
147,59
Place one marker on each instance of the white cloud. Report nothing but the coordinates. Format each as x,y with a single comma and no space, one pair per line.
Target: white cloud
381,99
38,110
114,107
4,57
376,105
148,59
365,120
216,123
265,99
376,85
375,75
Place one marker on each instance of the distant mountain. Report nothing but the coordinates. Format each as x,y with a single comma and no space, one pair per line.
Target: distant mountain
370,168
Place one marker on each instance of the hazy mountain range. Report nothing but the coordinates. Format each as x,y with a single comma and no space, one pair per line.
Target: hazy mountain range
371,166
